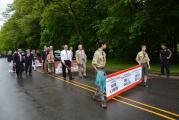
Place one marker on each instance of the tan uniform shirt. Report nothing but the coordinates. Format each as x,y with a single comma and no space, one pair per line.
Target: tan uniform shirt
142,57
80,56
50,58
99,58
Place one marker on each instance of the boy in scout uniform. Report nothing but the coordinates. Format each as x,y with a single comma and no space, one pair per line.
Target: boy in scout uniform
98,63
143,60
81,61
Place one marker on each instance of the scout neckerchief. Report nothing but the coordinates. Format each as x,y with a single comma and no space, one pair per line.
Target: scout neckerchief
102,55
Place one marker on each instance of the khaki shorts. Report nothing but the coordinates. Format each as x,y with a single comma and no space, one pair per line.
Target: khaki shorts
145,70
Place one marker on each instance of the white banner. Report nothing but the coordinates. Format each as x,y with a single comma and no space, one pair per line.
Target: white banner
74,67
122,81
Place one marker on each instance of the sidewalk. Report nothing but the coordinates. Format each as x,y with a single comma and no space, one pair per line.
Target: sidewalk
163,76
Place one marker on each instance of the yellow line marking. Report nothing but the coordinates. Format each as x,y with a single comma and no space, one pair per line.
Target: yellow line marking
161,115
156,108
144,109
159,109
141,108
73,84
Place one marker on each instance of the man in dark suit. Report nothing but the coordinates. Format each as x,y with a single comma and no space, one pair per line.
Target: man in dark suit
18,61
29,59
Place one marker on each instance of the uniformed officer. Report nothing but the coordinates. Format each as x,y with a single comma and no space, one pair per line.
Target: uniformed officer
98,63
143,60
165,56
81,61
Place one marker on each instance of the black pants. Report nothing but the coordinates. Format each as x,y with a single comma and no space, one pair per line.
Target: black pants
19,70
68,64
165,66
28,68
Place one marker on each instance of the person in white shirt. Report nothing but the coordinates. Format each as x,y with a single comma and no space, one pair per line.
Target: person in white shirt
66,59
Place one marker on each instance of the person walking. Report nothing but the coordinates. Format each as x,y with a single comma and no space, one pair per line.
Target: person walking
98,63
143,60
50,60
165,55
29,59
44,57
18,61
10,61
33,52
81,59
66,60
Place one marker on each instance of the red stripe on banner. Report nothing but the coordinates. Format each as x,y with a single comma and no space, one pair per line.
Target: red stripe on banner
122,71
125,89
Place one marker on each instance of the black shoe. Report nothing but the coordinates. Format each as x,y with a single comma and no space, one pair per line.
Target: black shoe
71,78
146,85
96,99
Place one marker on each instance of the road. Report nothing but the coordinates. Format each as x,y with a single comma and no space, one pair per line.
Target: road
48,97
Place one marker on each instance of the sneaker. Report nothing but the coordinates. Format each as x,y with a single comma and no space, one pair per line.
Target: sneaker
104,106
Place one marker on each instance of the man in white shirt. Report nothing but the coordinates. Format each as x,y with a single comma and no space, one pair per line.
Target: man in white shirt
66,60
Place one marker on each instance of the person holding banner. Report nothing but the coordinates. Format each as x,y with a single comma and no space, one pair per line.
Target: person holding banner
143,60
98,63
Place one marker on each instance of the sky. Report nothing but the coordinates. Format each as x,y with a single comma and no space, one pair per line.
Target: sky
3,6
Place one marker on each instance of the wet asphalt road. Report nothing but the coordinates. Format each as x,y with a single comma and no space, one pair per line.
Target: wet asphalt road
42,97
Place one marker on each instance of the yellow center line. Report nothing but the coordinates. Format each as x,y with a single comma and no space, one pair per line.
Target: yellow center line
134,101
144,109
141,108
159,109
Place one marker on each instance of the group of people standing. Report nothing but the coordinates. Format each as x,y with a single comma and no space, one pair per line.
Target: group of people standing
66,56
98,63
66,61
143,60
17,61
48,59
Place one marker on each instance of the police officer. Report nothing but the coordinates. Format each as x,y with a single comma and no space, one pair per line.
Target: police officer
98,63
165,56
143,60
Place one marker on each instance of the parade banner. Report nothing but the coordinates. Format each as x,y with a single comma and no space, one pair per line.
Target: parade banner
122,81
74,67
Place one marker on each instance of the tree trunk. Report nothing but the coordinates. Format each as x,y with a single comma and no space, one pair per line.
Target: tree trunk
74,19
